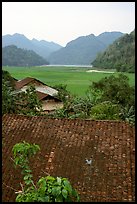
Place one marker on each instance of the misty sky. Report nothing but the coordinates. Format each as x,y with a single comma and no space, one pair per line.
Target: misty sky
62,22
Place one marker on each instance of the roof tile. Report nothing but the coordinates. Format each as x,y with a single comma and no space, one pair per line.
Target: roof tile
66,145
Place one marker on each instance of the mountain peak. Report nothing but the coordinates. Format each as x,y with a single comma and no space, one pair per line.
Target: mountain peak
18,35
110,33
90,35
42,47
84,49
117,56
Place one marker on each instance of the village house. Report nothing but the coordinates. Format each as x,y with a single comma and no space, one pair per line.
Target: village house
46,94
49,103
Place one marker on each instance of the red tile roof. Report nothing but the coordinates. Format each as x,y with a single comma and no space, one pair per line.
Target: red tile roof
41,95
66,146
43,90
24,82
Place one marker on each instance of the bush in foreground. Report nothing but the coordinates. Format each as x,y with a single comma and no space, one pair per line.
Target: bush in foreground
47,189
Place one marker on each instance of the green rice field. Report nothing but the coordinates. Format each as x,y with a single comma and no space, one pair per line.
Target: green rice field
77,79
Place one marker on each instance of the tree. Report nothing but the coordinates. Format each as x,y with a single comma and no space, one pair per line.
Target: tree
120,55
26,103
105,111
63,93
116,90
8,101
119,94
13,56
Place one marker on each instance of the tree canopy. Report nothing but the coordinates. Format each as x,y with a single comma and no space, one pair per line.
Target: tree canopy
120,55
26,103
13,56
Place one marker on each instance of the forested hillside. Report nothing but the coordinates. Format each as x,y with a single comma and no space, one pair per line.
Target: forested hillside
13,56
84,49
120,55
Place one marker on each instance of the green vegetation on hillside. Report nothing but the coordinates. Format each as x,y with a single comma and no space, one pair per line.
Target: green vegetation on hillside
120,55
83,49
13,56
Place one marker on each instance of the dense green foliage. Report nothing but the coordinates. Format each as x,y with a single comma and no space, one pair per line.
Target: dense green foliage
63,93
26,103
47,189
111,98
121,95
8,78
105,111
8,101
115,89
75,107
13,56
120,55
84,49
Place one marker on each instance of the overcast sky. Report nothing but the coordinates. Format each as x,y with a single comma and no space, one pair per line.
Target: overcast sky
62,22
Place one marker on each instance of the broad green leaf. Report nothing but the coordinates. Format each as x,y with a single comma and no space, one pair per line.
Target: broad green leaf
50,178
27,176
42,181
44,199
27,170
28,182
59,198
59,180
17,161
56,191
75,194
67,186
65,193
49,190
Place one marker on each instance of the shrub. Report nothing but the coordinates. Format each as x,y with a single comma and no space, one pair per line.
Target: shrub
63,93
27,102
115,89
128,114
47,189
105,111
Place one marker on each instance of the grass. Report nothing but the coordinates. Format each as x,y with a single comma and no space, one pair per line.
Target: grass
76,78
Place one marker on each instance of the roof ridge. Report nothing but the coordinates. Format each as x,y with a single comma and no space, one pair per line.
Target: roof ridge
69,119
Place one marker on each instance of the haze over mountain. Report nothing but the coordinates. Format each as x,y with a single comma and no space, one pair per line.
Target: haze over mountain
80,51
42,47
13,56
84,49
120,55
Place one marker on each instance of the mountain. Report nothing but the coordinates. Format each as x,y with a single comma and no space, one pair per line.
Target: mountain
84,49
13,56
120,55
42,47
